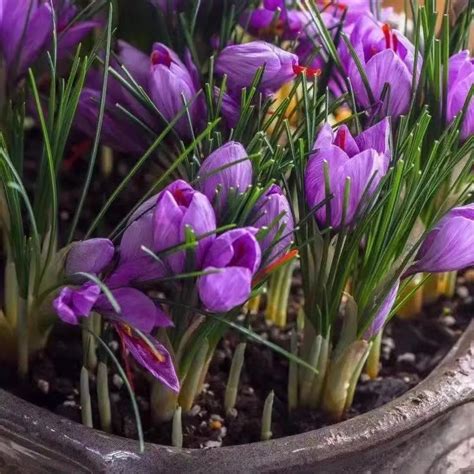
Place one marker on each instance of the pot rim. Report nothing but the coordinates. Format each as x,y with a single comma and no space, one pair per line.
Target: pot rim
449,385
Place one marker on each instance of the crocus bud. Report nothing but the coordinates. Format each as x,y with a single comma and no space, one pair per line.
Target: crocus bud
450,245
89,256
179,207
363,159
231,261
74,303
273,214
387,57
460,81
26,28
170,83
225,170
240,63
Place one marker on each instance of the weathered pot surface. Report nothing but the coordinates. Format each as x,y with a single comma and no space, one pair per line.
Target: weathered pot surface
428,429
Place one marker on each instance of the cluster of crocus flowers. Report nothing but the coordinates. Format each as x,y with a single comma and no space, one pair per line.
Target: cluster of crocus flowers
149,252
26,31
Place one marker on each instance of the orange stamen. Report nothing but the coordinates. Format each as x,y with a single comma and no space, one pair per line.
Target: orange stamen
273,266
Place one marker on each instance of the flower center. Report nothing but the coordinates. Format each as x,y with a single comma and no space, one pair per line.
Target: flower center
160,57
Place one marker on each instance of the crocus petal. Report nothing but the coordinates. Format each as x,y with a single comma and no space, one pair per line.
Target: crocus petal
451,247
376,137
138,233
89,256
73,36
383,312
156,359
73,303
385,68
237,247
137,309
240,63
226,168
224,290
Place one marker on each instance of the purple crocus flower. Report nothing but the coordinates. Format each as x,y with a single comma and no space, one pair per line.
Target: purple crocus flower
364,159
230,263
160,224
179,207
273,213
225,170
460,81
450,245
387,57
379,320
26,28
171,82
240,63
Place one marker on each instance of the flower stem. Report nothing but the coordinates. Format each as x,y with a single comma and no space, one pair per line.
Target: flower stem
372,366
266,433
190,386
163,403
103,398
11,293
86,408
232,386
342,377
293,374
177,429
254,304
22,334
285,286
88,342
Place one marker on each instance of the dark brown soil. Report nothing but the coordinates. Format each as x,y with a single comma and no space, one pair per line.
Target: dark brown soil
410,350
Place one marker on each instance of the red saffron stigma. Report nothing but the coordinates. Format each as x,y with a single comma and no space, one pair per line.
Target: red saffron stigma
308,71
387,32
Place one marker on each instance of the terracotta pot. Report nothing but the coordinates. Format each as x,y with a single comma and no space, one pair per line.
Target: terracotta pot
430,429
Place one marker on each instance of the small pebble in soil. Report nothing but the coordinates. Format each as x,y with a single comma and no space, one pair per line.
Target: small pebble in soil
212,444
43,385
232,413
69,403
469,276
117,381
448,321
195,410
462,292
113,345
407,357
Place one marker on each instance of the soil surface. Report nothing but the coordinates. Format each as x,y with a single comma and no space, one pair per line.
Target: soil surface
410,350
